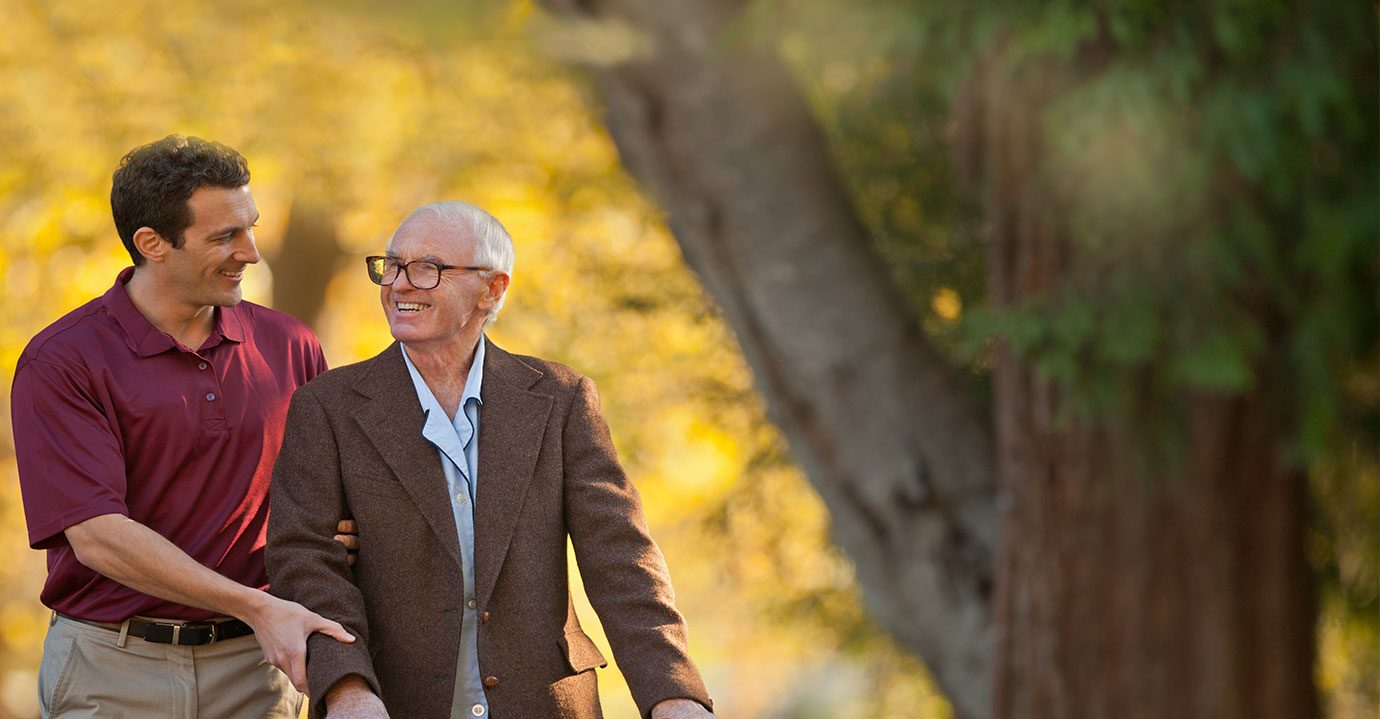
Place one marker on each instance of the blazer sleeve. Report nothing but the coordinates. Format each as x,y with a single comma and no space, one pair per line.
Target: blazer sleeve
305,563
624,572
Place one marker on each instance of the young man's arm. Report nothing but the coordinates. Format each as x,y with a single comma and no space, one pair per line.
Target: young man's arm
140,558
73,480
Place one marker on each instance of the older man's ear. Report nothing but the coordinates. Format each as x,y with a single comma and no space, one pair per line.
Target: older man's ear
348,536
498,284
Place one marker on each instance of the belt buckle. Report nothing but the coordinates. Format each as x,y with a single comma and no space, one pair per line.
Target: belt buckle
212,627
164,632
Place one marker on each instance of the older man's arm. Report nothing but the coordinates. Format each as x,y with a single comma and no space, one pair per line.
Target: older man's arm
624,573
305,563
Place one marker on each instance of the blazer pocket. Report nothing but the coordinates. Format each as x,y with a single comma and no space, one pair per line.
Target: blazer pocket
581,653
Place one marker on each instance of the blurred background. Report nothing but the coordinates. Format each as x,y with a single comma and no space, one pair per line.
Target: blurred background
1233,144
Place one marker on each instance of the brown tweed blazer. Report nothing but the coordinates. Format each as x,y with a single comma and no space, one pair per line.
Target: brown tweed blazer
547,469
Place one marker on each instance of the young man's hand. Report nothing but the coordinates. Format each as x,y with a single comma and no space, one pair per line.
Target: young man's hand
282,628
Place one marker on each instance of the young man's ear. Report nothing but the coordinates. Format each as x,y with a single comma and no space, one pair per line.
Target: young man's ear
150,244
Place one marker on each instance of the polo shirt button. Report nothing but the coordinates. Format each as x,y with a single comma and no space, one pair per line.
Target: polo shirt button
477,710
210,396
201,365
490,682
470,604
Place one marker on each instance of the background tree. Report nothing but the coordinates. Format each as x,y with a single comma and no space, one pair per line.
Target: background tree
1180,274
370,118
1166,223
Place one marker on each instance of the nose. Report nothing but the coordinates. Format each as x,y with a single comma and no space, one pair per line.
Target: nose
402,281
248,252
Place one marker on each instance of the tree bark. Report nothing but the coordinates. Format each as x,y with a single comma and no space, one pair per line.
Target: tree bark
306,261
1120,595
1123,593
886,430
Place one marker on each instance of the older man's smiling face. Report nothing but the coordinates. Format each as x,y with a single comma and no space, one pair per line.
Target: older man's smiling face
447,312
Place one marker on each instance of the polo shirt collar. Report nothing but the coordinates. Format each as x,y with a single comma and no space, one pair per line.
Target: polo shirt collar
145,340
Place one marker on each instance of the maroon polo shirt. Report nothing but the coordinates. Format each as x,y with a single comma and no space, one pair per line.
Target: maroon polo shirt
112,416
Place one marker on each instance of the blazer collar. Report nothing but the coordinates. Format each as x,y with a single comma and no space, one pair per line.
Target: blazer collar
392,419
512,427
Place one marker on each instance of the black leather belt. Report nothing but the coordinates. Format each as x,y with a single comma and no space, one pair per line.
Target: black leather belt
180,633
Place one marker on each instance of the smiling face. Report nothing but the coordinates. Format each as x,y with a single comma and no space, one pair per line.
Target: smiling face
219,244
453,311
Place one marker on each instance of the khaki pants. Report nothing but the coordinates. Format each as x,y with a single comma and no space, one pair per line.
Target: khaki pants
85,673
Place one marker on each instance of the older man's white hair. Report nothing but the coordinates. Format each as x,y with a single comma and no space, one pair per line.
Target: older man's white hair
493,246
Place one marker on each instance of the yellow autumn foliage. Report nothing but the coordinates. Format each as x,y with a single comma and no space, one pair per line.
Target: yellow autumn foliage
370,119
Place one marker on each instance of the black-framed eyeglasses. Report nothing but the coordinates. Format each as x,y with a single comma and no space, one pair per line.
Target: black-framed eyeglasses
422,274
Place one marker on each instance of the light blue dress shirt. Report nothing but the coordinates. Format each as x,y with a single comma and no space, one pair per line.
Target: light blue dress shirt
457,441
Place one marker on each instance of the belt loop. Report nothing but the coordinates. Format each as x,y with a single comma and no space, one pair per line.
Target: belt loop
124,634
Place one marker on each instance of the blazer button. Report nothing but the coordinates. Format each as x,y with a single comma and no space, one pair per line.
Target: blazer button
484,617
490,682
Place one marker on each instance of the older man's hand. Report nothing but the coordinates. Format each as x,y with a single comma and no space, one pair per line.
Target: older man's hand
351,698
680,709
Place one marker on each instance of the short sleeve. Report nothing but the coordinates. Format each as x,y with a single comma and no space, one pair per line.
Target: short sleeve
316,360
71,466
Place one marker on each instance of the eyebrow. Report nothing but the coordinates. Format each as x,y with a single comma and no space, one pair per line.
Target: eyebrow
230,230
424,258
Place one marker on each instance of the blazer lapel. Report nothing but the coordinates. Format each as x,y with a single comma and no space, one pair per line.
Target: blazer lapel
392,420
512,425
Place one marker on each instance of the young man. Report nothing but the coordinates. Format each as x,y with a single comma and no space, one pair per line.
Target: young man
146,425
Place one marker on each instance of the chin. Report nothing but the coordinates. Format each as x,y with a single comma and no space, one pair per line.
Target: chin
230,300
406,335
220,299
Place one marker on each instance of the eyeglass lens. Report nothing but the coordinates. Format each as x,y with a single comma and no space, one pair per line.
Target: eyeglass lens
421,274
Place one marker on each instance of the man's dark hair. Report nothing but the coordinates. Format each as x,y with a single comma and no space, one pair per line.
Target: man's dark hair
154,181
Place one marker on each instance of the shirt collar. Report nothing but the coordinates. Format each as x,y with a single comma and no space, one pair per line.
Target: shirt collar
474,381
145,340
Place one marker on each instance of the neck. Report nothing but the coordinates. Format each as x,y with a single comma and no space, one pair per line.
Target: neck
445,367
189,325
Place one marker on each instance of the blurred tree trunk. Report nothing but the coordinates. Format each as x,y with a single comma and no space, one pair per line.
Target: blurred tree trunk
1173,596
887,431
306,261
1186,595
1125,592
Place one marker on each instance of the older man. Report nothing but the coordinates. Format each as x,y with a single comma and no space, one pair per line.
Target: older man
465,468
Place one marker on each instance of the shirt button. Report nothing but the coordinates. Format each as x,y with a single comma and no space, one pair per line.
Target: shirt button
201,365
470,604
477,710
460,497
210,396
490,682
